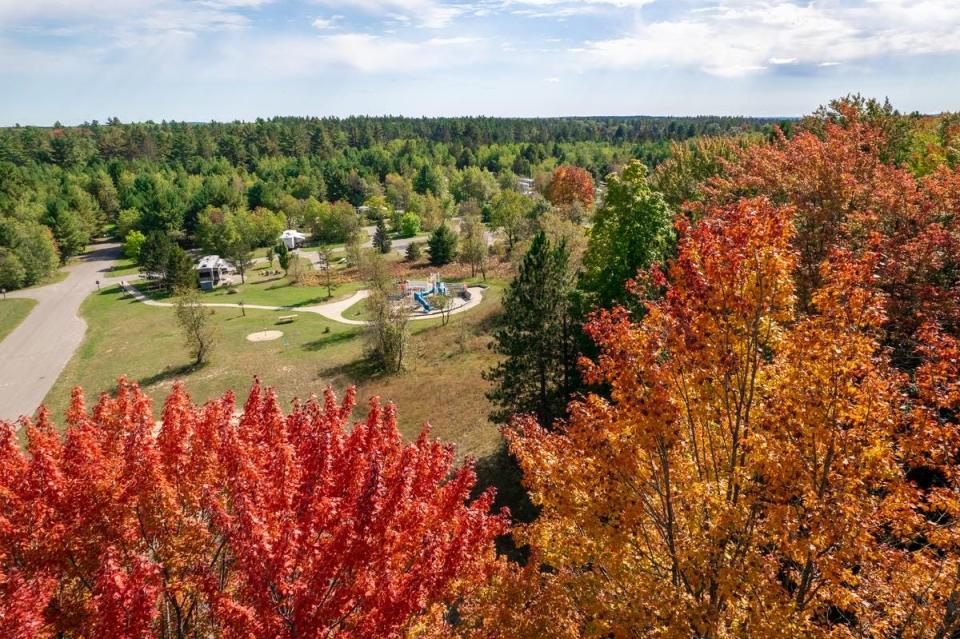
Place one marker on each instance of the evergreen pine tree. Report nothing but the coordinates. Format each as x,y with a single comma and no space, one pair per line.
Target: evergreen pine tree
153,253
442,245
413,251
283,256
381,240
67,229
537,337
180,273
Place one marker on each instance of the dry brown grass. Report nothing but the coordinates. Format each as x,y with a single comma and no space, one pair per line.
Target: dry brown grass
444,385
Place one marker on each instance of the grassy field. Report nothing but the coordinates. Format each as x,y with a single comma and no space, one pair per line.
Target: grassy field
359,311
123,268
443,383
12,312
272,290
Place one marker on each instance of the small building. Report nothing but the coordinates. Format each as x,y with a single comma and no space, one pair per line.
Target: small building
525,186
293,239
212,271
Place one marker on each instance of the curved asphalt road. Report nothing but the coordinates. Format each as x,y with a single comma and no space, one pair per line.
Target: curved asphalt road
34,354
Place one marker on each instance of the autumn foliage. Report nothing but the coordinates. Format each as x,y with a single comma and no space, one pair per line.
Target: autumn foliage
772,451
210,524
777,452
846,196
570,184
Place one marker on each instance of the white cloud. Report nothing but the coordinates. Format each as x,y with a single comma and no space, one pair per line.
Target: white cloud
739,37
621,4
361,52
326,23
561,9
426,13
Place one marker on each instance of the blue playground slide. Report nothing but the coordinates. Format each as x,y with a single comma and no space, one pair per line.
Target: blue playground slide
422,301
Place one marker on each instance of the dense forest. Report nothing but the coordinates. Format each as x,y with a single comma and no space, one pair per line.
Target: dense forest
60,186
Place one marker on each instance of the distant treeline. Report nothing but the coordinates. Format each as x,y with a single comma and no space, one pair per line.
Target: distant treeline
241,142
60,186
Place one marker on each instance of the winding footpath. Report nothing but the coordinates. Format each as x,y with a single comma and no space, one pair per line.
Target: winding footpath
34,354
331,310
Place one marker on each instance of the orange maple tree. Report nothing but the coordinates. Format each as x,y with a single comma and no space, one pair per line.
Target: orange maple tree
846,195
209,524
570,184
752,471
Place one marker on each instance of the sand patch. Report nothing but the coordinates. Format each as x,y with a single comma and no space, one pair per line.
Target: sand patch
264,336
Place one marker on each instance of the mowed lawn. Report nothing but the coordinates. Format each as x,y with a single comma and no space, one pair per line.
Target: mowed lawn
443,386
12,312
271,290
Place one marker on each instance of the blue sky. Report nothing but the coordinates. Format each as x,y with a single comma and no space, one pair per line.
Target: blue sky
79,60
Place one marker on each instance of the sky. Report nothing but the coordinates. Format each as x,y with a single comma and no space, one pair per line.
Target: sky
197,60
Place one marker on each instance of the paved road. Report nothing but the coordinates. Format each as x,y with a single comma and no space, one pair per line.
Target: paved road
34,354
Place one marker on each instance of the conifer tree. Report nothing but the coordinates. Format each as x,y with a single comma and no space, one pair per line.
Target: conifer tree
442,245
537,337
381,239
283,256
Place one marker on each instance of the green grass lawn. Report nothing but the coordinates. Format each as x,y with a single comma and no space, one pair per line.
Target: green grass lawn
443,384
123,268
12,312
359,311
273,290
125,337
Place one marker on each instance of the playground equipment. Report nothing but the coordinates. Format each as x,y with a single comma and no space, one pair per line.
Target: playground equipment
421,290
421,300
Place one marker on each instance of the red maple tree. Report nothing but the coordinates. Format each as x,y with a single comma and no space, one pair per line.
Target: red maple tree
209,524
848,196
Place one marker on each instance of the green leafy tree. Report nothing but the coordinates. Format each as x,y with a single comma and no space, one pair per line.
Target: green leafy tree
33,246
354,248
537,337
473,245
398,191
442,245
133,243
127,220
12,273
330,222
166,262
632,230
239,251
508,212
381,239
474,183
377,208
386,335
409,224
